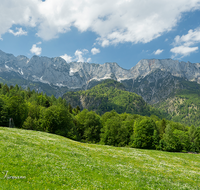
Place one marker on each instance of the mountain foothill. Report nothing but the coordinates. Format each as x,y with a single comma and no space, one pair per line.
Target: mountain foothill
153,105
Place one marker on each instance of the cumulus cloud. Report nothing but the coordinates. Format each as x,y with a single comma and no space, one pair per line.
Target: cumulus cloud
36,50
185,44
158,51
183,51
67,58
191,38
19,32
89,60
79,56
114,21
21,12
95,51
104,42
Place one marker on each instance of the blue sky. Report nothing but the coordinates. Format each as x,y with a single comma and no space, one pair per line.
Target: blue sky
99,31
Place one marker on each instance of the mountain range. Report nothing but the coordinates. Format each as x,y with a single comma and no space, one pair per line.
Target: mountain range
56,76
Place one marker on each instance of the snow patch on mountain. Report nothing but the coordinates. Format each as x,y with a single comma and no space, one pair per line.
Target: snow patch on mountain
40,79
72,71
9,68
20,71
99,79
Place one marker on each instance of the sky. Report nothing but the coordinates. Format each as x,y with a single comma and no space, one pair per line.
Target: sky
99,31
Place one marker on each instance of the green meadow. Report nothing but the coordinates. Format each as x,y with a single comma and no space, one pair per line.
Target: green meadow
39,160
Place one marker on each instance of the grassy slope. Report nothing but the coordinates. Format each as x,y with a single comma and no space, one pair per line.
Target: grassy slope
54,162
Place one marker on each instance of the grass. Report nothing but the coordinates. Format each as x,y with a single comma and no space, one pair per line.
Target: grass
38,160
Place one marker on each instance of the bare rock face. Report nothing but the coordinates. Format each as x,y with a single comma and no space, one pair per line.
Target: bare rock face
156,86
188,70
57,72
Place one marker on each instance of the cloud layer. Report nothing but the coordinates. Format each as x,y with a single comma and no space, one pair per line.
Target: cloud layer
114,21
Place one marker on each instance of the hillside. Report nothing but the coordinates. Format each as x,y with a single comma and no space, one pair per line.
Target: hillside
159,85
38,160
176,96
160,82
37,111
183,107
109,95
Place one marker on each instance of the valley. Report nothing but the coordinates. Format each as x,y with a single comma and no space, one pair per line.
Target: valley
102,134
159,82
99,95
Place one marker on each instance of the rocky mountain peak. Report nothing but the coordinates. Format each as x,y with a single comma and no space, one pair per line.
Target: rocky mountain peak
80,75
188,70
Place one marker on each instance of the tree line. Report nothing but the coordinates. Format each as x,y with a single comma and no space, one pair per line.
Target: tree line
37,111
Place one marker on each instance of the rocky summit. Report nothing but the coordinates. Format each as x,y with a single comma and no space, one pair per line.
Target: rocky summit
57,73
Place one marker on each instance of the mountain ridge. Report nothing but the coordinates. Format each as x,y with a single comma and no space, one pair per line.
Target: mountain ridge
57,73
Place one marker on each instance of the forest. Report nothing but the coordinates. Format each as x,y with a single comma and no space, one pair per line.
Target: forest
36,111
111,95
184,107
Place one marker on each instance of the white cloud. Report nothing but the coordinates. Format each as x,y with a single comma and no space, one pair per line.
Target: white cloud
183,51
191,38
78,56
89,60
114,21
104,42
158,51
183,43
21,12
67,58
36,50
19,32
95,51
85,51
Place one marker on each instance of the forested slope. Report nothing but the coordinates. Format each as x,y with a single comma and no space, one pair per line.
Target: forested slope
37,111
184,106
110,95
